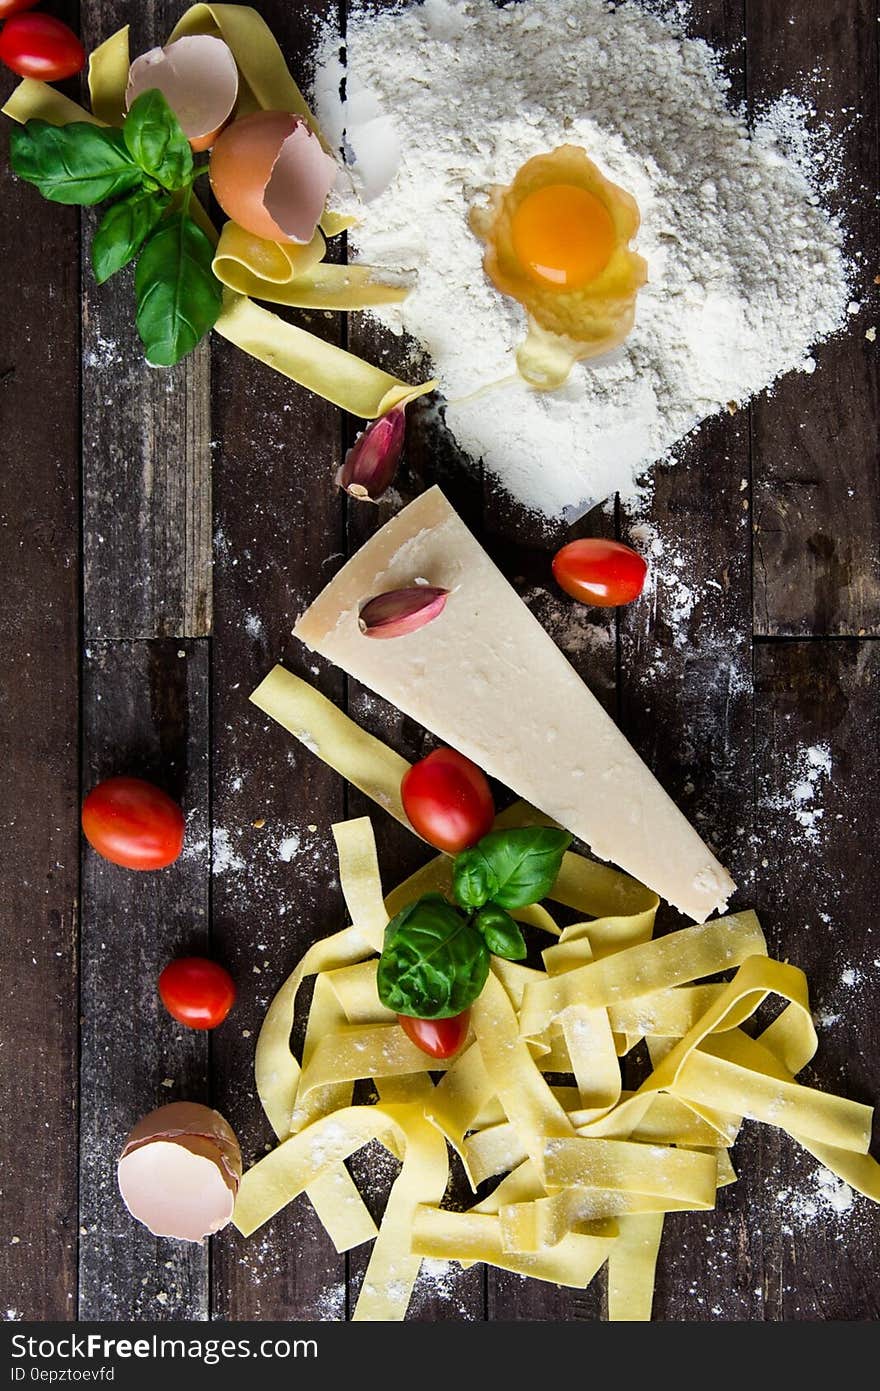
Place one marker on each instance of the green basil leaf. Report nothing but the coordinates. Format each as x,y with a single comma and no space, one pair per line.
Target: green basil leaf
156,141
500,933
178,295
123,230
433,963
78,163
524,863
474,881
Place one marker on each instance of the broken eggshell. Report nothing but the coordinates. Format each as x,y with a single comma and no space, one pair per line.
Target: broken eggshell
271,174
371,464
197,76
179,1171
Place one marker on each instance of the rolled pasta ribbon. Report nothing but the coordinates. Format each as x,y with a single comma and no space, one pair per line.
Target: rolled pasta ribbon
37,101
298,276
632,1262
268,82
360,758
587,1170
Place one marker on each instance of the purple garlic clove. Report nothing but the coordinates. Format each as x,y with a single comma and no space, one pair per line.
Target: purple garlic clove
371,464
401,611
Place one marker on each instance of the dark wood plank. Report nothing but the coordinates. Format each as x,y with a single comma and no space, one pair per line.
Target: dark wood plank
817,505
523,546
146,436
39,618
279,537
817,708
642,686
145,713
686,704
444,1291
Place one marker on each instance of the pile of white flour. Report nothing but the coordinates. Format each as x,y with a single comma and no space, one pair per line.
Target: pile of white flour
746,269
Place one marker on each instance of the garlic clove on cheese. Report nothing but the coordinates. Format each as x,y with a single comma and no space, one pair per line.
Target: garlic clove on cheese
401,611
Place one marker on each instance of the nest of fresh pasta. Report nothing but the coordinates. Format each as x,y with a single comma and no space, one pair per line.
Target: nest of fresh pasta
579,1171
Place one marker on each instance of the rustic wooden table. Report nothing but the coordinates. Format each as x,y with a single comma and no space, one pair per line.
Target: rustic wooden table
161,531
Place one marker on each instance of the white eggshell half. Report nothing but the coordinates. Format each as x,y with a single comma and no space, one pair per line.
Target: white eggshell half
198,77
360,127
174,1191
302,176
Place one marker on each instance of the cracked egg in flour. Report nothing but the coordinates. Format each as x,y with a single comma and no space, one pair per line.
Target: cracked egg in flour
557,239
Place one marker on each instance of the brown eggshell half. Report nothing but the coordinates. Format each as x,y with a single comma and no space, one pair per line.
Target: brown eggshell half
197,76
179,1171
271,174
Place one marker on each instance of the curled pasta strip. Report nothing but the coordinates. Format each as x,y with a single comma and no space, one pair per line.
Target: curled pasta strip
298,276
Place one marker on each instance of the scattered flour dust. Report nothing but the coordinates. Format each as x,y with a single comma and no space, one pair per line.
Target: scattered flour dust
246,855
225,858
669,571
747,271
803,797
824,1196
289,848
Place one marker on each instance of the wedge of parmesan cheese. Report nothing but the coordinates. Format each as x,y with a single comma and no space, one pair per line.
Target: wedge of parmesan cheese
487,680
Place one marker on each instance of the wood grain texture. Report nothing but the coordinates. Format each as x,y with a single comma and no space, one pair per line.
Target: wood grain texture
39,620
279,537
817,501
523,547
685,692
275,888
686,705
145,714
146,436
444,1291
817,766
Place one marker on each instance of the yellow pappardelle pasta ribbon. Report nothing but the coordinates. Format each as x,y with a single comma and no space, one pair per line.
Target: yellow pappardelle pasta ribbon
249,267
587,1170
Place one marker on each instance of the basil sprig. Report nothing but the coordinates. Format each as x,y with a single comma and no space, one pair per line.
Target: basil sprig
148,166
79,163
435,956
510,868
178,295
156,141
124,229
433,963
500,932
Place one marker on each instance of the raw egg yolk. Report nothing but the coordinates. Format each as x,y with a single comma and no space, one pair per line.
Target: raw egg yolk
563,235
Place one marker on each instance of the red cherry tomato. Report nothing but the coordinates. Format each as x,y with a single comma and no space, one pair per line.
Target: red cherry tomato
197,992
604,573
448,800
36,45
440,1038
8,7
132,823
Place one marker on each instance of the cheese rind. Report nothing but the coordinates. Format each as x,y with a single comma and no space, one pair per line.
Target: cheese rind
487,679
